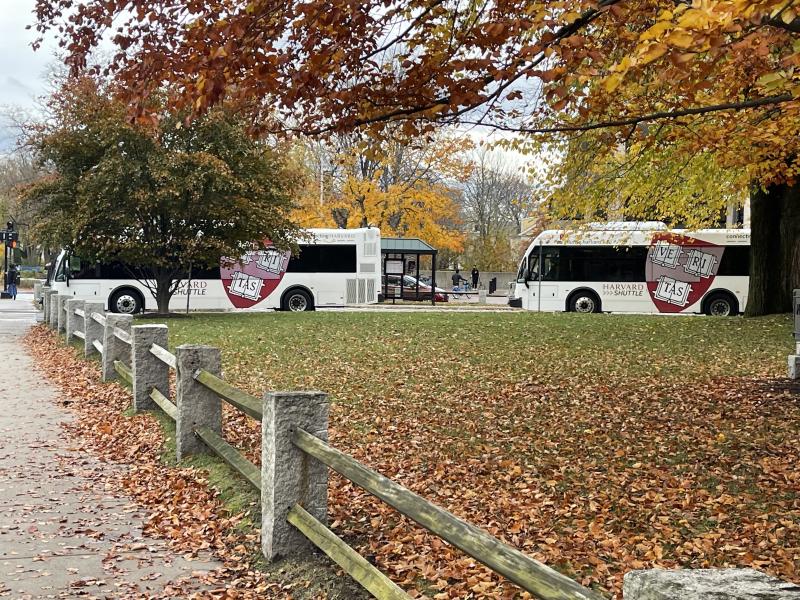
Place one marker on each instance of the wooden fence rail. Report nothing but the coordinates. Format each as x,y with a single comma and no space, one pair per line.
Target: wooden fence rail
375,582
122,336
248,404
123,371
529,574
164,355
164,404
295,454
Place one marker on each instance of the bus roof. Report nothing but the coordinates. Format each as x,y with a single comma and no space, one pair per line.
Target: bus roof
616,237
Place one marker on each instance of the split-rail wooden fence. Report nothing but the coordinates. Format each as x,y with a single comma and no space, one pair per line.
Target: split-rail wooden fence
293,475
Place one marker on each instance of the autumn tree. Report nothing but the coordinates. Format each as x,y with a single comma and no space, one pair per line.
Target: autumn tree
159,199
724,74
406,187
494,200
640,181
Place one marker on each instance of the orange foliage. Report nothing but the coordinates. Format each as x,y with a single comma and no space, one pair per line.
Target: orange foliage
399,186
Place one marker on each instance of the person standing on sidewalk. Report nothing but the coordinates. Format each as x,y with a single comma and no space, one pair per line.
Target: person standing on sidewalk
13,277
475,276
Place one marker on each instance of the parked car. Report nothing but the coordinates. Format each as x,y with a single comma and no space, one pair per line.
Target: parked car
391,289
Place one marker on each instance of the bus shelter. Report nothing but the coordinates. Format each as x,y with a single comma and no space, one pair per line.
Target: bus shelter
401,260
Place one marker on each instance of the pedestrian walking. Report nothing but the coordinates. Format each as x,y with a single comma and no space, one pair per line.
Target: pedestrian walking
13,279
475,276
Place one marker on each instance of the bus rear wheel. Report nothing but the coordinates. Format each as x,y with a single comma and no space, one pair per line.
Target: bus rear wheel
721,304
584,302
126,301
297,301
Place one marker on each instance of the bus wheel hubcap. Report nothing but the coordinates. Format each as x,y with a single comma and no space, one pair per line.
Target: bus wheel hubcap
126,304
584,305
297,303
720,308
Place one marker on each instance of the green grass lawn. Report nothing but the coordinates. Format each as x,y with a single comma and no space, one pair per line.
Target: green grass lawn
596,443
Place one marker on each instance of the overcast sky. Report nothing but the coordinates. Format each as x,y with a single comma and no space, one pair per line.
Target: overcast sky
22,71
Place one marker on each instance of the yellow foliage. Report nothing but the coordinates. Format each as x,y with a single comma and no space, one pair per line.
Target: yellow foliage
401,191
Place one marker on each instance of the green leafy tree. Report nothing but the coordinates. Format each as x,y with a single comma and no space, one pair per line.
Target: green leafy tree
158,198
646,180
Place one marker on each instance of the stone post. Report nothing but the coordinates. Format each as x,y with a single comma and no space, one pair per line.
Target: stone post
481,296
148,371
74,322
796,311
37,291
46,304
61,312
794,359
115,349
197,405
701,584
794,366
52,307
288,475
91,328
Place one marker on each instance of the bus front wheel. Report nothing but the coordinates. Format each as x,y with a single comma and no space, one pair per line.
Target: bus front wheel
126,301
721,304
297,301
584,302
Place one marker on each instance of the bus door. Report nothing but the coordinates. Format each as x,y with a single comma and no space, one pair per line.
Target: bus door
543,288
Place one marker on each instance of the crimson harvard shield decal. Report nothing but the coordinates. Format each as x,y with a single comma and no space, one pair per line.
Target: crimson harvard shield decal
254,276
679,270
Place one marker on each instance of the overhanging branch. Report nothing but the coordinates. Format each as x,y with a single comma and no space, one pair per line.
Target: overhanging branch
634,120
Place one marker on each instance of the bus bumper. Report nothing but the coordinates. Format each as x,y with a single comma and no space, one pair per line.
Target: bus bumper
515,302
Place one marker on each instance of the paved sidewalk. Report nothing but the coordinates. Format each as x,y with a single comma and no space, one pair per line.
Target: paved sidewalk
64,533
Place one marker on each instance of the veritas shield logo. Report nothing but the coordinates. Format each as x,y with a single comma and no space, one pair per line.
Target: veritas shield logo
254,276
679,270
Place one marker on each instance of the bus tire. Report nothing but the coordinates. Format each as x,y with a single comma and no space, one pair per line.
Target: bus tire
583,301
126,301
721,304
297,300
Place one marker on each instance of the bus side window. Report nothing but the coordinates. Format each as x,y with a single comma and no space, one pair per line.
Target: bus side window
533,267
550,264
735,261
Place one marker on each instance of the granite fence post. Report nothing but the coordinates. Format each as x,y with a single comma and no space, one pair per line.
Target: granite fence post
148,371
52,309
701,584
46,304
796,312
197,405
115,349
794,359
74,322
61,312
91,328
288,475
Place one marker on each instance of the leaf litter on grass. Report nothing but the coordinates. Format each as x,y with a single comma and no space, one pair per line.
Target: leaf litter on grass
595,444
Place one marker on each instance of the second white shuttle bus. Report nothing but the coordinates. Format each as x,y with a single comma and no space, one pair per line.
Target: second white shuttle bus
635,267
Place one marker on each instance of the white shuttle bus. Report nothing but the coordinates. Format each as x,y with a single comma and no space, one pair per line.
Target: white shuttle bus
635,267
335,267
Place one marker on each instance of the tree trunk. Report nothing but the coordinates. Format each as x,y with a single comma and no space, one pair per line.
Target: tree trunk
774,250
163,293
